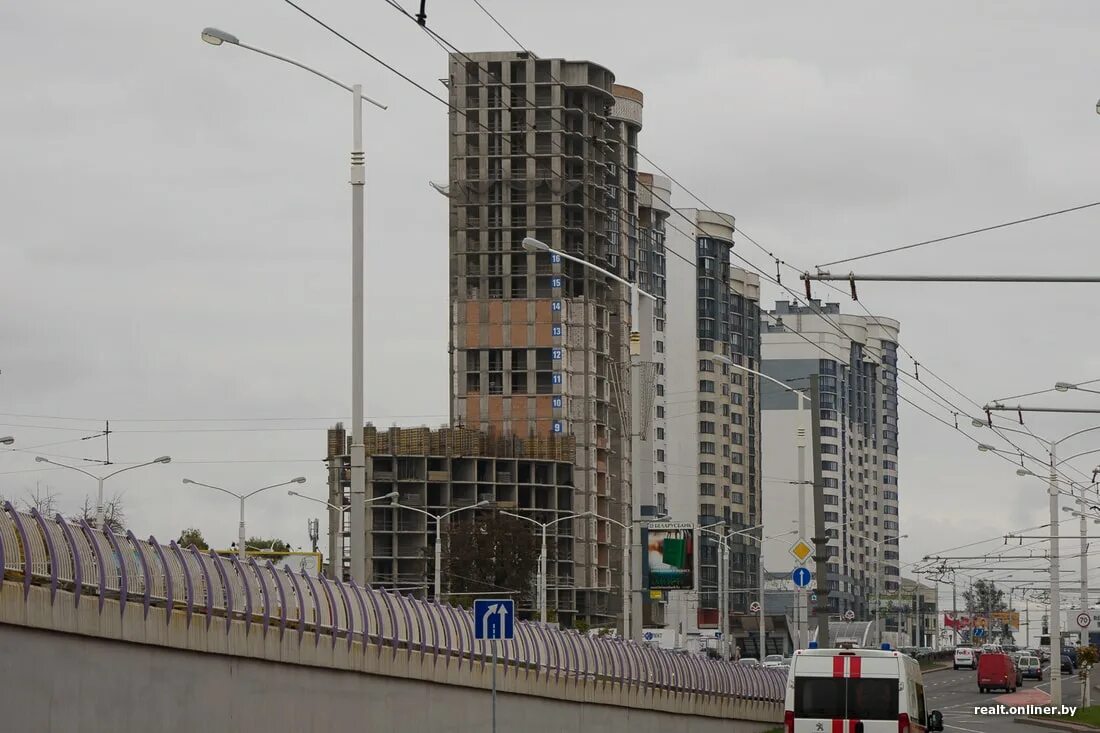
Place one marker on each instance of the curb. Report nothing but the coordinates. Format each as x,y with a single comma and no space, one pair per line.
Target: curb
936,669
1053,724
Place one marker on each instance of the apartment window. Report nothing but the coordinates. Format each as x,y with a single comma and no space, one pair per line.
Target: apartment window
706,427
890,495
890,480
706,365
660,477
660,454
706,489
738,438
830,466
738,418
707,510
888,524
889,465
706,406
706,385
660,347
706,447
737,459
660,390
830,432
738,378
660,433
737,497
829,448
706,469
737,478
832,517
892,510
831,499
660,410
737,398
831,483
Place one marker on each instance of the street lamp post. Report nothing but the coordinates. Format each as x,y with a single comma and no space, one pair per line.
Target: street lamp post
242,498
99,511
800,442
541,590
358,456
534,245
880,581
438,586
7,440
628,562
340,513
1055,589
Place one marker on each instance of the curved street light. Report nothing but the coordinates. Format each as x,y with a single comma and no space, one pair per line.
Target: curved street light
99,511
541,590
7,440
358,457
241,498
438,545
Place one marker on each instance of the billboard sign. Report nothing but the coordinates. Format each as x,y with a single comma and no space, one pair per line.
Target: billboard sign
296,562
669,561
1007,618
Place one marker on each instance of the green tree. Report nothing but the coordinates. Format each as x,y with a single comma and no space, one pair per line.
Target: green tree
493,553
192,536
259,543
983,599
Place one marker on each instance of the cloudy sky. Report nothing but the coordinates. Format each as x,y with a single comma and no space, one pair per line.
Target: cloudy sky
175,219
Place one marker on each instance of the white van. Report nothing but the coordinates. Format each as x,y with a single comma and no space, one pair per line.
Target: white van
966,656
856,691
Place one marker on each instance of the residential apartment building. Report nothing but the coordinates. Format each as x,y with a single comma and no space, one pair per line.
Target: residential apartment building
547,148
711,410
437,471
855,358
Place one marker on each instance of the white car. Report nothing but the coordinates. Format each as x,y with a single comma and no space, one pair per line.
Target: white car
965,657
774,660
749,661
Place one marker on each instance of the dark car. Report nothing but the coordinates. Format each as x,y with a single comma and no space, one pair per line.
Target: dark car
1067,664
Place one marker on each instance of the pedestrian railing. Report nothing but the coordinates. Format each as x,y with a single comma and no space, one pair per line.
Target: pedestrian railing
91,566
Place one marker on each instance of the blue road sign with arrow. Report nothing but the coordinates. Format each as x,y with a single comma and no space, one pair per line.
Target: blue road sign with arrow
494,618
801,577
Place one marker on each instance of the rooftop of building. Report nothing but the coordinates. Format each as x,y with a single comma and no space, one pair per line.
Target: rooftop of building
457,442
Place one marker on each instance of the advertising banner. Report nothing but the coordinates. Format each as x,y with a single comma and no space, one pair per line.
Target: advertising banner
1009,618
669,560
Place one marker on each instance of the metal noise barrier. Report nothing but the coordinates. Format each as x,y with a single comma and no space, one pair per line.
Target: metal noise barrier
82,564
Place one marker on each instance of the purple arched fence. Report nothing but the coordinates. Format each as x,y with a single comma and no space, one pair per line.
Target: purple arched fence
79,560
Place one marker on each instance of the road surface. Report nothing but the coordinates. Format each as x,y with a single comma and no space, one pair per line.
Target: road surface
955,694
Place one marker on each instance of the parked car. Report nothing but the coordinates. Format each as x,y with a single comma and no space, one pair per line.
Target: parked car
1067,664
965,657
773,660
749,661
996,671
1031,667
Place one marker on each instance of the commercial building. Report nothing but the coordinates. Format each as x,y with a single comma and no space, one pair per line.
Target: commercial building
547,148
710,411
441,470
855,358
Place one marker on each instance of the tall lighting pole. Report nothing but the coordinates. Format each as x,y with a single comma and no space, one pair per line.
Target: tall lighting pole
541,590
242,498
800,442
99,509
7,440
533,245
358,457
1055,566
438,586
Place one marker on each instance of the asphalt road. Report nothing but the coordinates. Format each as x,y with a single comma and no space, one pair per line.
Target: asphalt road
955,694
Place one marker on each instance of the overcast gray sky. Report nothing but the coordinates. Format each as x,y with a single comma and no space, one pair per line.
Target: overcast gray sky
175,218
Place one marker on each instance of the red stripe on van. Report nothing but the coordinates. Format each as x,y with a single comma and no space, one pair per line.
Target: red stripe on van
838,666
852,726
838,725
855,667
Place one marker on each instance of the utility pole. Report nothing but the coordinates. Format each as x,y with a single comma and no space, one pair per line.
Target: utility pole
820,539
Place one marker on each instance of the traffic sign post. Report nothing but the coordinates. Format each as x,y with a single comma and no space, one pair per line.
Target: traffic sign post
801,551
1084,620
801,576
494,620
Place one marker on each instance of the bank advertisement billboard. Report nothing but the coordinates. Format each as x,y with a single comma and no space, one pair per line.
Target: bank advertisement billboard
669,559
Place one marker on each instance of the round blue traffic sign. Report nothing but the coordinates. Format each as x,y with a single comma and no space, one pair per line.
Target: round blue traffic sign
801,577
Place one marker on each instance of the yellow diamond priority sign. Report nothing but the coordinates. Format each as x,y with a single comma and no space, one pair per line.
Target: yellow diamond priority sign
801,551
